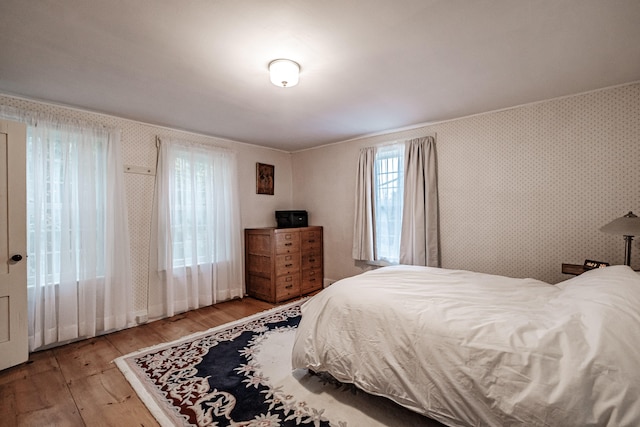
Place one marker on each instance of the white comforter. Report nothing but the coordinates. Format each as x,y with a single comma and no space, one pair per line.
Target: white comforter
471,349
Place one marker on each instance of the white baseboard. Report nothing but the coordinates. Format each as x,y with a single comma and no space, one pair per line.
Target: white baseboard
141,317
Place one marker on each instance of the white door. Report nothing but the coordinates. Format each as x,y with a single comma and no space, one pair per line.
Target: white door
13,245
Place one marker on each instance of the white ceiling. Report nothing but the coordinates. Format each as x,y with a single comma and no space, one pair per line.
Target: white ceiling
367,65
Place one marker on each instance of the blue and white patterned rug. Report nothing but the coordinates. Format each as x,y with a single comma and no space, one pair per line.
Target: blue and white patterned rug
239,374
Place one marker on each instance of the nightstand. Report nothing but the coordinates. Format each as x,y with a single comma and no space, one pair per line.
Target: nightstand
575,269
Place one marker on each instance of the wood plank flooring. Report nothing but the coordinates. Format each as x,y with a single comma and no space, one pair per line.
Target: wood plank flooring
77,385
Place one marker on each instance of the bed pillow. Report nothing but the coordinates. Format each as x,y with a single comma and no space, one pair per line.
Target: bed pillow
616,275
616,288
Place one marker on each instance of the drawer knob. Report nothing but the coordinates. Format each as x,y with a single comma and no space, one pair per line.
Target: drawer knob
312,260
312,241
288,244
288,265
288,287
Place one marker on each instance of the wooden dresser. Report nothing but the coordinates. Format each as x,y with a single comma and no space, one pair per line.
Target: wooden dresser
283,263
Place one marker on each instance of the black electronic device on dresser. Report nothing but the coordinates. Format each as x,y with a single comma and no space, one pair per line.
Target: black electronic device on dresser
291,219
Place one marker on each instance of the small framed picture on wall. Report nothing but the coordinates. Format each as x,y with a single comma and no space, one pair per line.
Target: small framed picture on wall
264,178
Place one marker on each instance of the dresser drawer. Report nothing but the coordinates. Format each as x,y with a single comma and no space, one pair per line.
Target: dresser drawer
287,287
311,240
311,260
287,242
311,280
287,264
311,245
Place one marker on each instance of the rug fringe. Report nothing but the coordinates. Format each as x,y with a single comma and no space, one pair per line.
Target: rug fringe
147,399
216,328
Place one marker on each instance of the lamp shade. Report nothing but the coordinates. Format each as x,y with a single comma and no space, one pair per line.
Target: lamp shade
628,225
284,72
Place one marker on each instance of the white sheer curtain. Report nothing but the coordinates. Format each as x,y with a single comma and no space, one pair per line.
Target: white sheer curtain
364,242
196,255
419,242
79,274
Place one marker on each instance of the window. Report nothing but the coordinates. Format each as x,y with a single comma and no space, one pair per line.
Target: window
61,172
389,187
396,204
194,224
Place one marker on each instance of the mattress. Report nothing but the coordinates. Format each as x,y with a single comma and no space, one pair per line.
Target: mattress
470,349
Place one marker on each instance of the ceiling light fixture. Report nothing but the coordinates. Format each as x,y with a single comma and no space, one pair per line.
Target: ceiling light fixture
284,72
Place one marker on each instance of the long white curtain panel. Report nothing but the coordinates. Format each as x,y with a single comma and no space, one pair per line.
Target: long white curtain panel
196,242
79,272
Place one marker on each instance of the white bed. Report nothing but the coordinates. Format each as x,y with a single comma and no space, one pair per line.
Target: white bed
471,349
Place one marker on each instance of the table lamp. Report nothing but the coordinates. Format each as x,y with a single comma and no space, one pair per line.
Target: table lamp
627,226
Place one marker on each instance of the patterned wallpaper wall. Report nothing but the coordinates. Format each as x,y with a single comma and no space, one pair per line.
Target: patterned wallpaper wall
526,189
139,151
521,190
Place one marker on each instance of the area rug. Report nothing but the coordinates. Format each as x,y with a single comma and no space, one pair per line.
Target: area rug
239,374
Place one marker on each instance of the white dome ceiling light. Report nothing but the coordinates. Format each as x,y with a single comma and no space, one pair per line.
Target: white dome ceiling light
284,72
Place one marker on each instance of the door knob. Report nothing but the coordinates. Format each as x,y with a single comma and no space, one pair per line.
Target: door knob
16,258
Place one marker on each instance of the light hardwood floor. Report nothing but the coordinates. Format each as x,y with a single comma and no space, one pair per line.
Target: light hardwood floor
78,385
